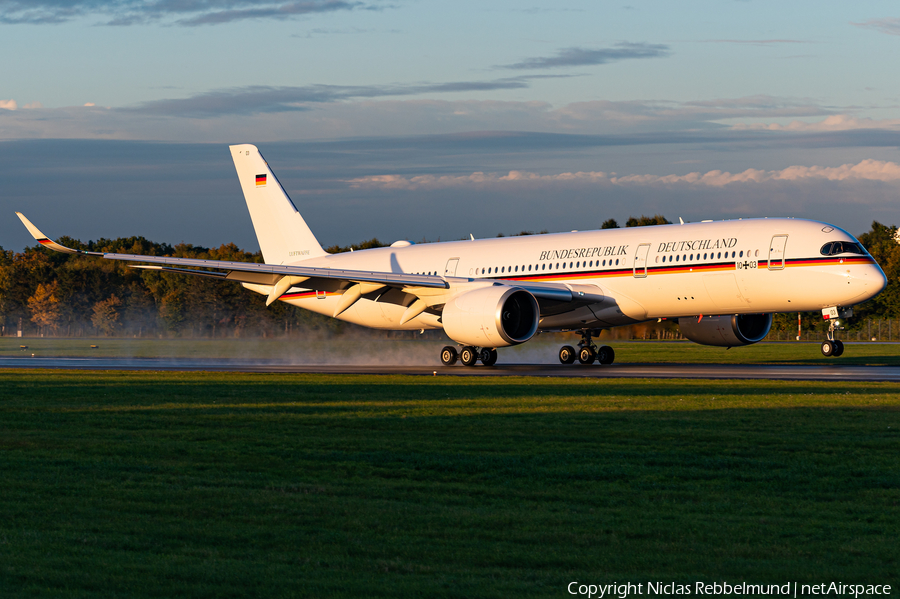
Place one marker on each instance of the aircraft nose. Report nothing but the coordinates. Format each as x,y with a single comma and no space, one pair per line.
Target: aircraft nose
868,281
880,278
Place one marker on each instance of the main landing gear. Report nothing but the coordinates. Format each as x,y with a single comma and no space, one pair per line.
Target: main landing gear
468,355
587,352
832,347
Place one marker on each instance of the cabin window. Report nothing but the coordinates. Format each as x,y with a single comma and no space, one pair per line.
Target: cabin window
741,254
676,258
617,261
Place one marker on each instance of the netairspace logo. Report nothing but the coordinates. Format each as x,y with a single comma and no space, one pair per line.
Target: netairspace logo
789,589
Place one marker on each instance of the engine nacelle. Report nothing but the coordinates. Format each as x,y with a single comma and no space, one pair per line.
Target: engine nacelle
496,316
728,330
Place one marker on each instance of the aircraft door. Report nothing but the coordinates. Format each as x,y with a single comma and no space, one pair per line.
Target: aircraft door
640,261
776,252
450,271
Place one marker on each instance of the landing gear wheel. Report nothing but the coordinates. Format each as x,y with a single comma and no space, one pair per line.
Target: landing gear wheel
587,355
606,354
828,348
488,356
567,354
838,348
468,356
449,356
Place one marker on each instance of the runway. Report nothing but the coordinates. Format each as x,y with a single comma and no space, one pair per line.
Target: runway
828,372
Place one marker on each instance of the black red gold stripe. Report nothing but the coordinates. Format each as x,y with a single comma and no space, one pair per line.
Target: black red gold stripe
651,270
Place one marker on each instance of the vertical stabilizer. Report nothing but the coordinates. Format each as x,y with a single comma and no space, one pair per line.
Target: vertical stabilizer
282,233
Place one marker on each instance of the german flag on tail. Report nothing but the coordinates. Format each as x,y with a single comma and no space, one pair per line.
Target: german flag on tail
260,180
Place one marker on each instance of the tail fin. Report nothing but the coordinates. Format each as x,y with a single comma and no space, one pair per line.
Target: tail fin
282,233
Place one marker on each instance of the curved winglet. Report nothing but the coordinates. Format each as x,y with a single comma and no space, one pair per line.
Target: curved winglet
46,241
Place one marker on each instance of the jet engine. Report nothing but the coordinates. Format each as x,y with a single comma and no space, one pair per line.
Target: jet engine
496,316
728,330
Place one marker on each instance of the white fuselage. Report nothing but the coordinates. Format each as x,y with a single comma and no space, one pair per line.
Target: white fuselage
669,271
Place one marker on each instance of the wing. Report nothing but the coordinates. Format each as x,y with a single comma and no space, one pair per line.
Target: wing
427,290
246,272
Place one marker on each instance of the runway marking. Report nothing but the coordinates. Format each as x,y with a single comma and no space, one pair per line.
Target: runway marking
825,372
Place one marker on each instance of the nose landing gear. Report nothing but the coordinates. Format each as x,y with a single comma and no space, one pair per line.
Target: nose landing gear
588,352
832,347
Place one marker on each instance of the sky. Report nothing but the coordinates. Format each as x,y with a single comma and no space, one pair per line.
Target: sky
435,120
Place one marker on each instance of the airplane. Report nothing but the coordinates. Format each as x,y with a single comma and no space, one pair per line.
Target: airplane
722,281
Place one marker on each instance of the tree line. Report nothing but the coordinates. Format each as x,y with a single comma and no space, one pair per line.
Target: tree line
49,293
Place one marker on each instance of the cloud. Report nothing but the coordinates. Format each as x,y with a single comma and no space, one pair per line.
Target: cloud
189,13
575,57
772,42
321,32
264,99
837,122
696,112
270,11
867,170
265,114
890,26
8,104
253,100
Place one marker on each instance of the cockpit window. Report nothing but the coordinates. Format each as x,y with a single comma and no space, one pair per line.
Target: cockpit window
832,248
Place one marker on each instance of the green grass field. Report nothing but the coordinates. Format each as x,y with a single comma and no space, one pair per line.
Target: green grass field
122,484
340,350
